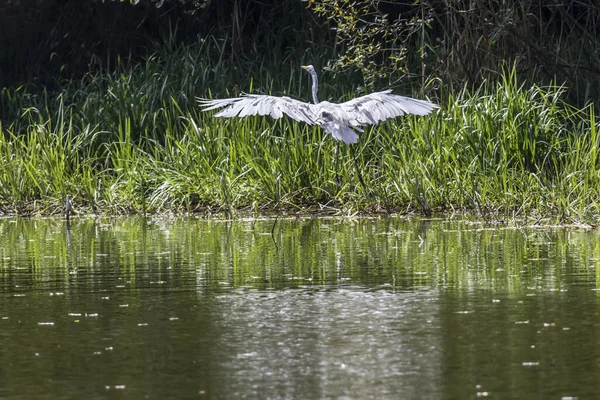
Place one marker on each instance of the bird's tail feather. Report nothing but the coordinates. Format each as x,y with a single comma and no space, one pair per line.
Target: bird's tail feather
341,132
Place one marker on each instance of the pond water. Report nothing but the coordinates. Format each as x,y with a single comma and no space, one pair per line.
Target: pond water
320,309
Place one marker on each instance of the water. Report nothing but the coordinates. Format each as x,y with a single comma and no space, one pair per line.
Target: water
323,309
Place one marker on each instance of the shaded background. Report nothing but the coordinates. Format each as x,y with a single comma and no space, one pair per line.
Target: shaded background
461,42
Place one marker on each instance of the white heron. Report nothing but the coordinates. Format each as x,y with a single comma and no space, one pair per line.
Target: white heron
340,120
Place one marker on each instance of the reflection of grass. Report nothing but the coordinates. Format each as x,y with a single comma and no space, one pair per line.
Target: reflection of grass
133,140
383,254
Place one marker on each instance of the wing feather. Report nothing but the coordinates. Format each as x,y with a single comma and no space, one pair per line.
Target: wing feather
379,106
255,104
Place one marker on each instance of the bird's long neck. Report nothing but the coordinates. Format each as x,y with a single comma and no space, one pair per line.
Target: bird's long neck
315,86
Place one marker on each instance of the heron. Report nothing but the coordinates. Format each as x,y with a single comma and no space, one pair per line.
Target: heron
340,120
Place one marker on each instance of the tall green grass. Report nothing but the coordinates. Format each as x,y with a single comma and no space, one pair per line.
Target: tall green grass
133,140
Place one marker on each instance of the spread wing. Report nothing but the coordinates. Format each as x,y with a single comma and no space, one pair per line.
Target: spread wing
379,106
255,104
339,120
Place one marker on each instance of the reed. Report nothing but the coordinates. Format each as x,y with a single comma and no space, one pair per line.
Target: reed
132,140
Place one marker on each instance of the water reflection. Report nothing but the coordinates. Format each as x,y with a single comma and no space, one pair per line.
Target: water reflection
381,308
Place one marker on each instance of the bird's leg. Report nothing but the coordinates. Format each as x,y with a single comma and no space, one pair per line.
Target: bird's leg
336,162
360,178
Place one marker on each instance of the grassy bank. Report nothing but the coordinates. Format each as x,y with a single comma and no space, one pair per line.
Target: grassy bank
133,140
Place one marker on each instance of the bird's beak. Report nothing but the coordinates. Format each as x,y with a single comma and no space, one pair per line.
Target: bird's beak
304,67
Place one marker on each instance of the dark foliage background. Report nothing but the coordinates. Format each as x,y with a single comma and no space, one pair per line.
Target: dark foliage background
44,42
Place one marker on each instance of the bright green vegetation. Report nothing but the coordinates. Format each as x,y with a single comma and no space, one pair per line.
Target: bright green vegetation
133,140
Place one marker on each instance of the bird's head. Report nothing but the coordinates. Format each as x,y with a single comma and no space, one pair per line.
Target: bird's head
308,68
